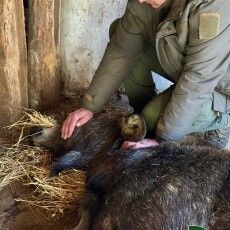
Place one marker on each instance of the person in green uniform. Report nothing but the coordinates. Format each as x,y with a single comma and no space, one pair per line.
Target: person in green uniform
185,41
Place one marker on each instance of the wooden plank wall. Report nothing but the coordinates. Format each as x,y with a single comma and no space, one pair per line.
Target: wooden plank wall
13,61
43,60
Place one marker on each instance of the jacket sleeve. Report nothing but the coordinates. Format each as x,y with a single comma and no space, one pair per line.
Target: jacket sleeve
122,53
207,58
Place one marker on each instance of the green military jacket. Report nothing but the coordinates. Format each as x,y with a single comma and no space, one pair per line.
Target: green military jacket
193,48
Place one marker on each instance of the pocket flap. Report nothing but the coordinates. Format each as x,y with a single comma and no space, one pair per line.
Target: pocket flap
220,102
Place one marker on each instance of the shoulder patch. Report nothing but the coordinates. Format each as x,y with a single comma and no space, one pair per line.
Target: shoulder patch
209,25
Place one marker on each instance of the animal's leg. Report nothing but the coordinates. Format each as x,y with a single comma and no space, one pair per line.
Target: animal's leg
72,159
88,208
84,221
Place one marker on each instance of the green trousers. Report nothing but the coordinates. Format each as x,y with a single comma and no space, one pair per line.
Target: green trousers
140,89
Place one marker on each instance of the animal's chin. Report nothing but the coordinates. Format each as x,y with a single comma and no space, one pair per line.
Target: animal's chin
37,142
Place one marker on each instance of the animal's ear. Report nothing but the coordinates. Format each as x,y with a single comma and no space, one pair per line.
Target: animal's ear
72,160
133,127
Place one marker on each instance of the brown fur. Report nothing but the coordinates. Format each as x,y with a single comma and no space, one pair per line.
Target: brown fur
162,188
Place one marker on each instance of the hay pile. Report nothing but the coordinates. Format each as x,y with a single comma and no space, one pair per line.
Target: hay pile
33,118
31,165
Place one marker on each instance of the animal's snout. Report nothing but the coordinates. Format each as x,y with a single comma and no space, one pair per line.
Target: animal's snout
36,131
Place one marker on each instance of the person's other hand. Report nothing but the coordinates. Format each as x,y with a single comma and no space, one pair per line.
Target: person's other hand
76,118
140,144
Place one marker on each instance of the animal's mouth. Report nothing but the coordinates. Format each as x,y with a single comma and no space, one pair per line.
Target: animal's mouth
36,132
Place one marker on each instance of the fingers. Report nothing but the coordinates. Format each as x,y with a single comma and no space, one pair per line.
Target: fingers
145,143
76,118
69,125
65,126
82,121
128,145
72,124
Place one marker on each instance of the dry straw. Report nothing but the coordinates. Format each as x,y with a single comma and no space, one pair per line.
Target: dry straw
31,165
55,195
33,118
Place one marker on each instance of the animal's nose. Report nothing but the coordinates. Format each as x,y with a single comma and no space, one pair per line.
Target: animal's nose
36,130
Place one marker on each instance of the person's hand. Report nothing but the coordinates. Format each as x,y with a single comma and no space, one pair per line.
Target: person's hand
76,118
140,144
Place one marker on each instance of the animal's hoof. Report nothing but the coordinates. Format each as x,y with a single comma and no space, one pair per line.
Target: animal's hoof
55,171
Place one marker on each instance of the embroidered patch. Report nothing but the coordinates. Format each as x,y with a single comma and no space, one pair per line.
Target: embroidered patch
88,97
209,25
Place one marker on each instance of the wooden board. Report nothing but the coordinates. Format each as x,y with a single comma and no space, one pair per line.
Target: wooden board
43,61
13,61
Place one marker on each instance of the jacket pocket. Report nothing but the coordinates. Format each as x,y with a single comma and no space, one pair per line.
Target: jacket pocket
166,29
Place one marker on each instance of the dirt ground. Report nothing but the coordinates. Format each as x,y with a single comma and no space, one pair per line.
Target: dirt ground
16,216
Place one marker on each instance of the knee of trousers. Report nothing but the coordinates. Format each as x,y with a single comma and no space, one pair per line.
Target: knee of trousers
151,116
155,108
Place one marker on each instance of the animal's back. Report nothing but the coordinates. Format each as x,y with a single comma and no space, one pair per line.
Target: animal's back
166,188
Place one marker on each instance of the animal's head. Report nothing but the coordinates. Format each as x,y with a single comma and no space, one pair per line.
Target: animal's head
133,127
47,137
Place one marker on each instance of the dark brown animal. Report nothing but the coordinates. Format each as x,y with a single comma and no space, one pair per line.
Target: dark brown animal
168,187
97,136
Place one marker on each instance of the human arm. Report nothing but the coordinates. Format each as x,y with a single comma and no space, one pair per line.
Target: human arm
75,119
123,52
